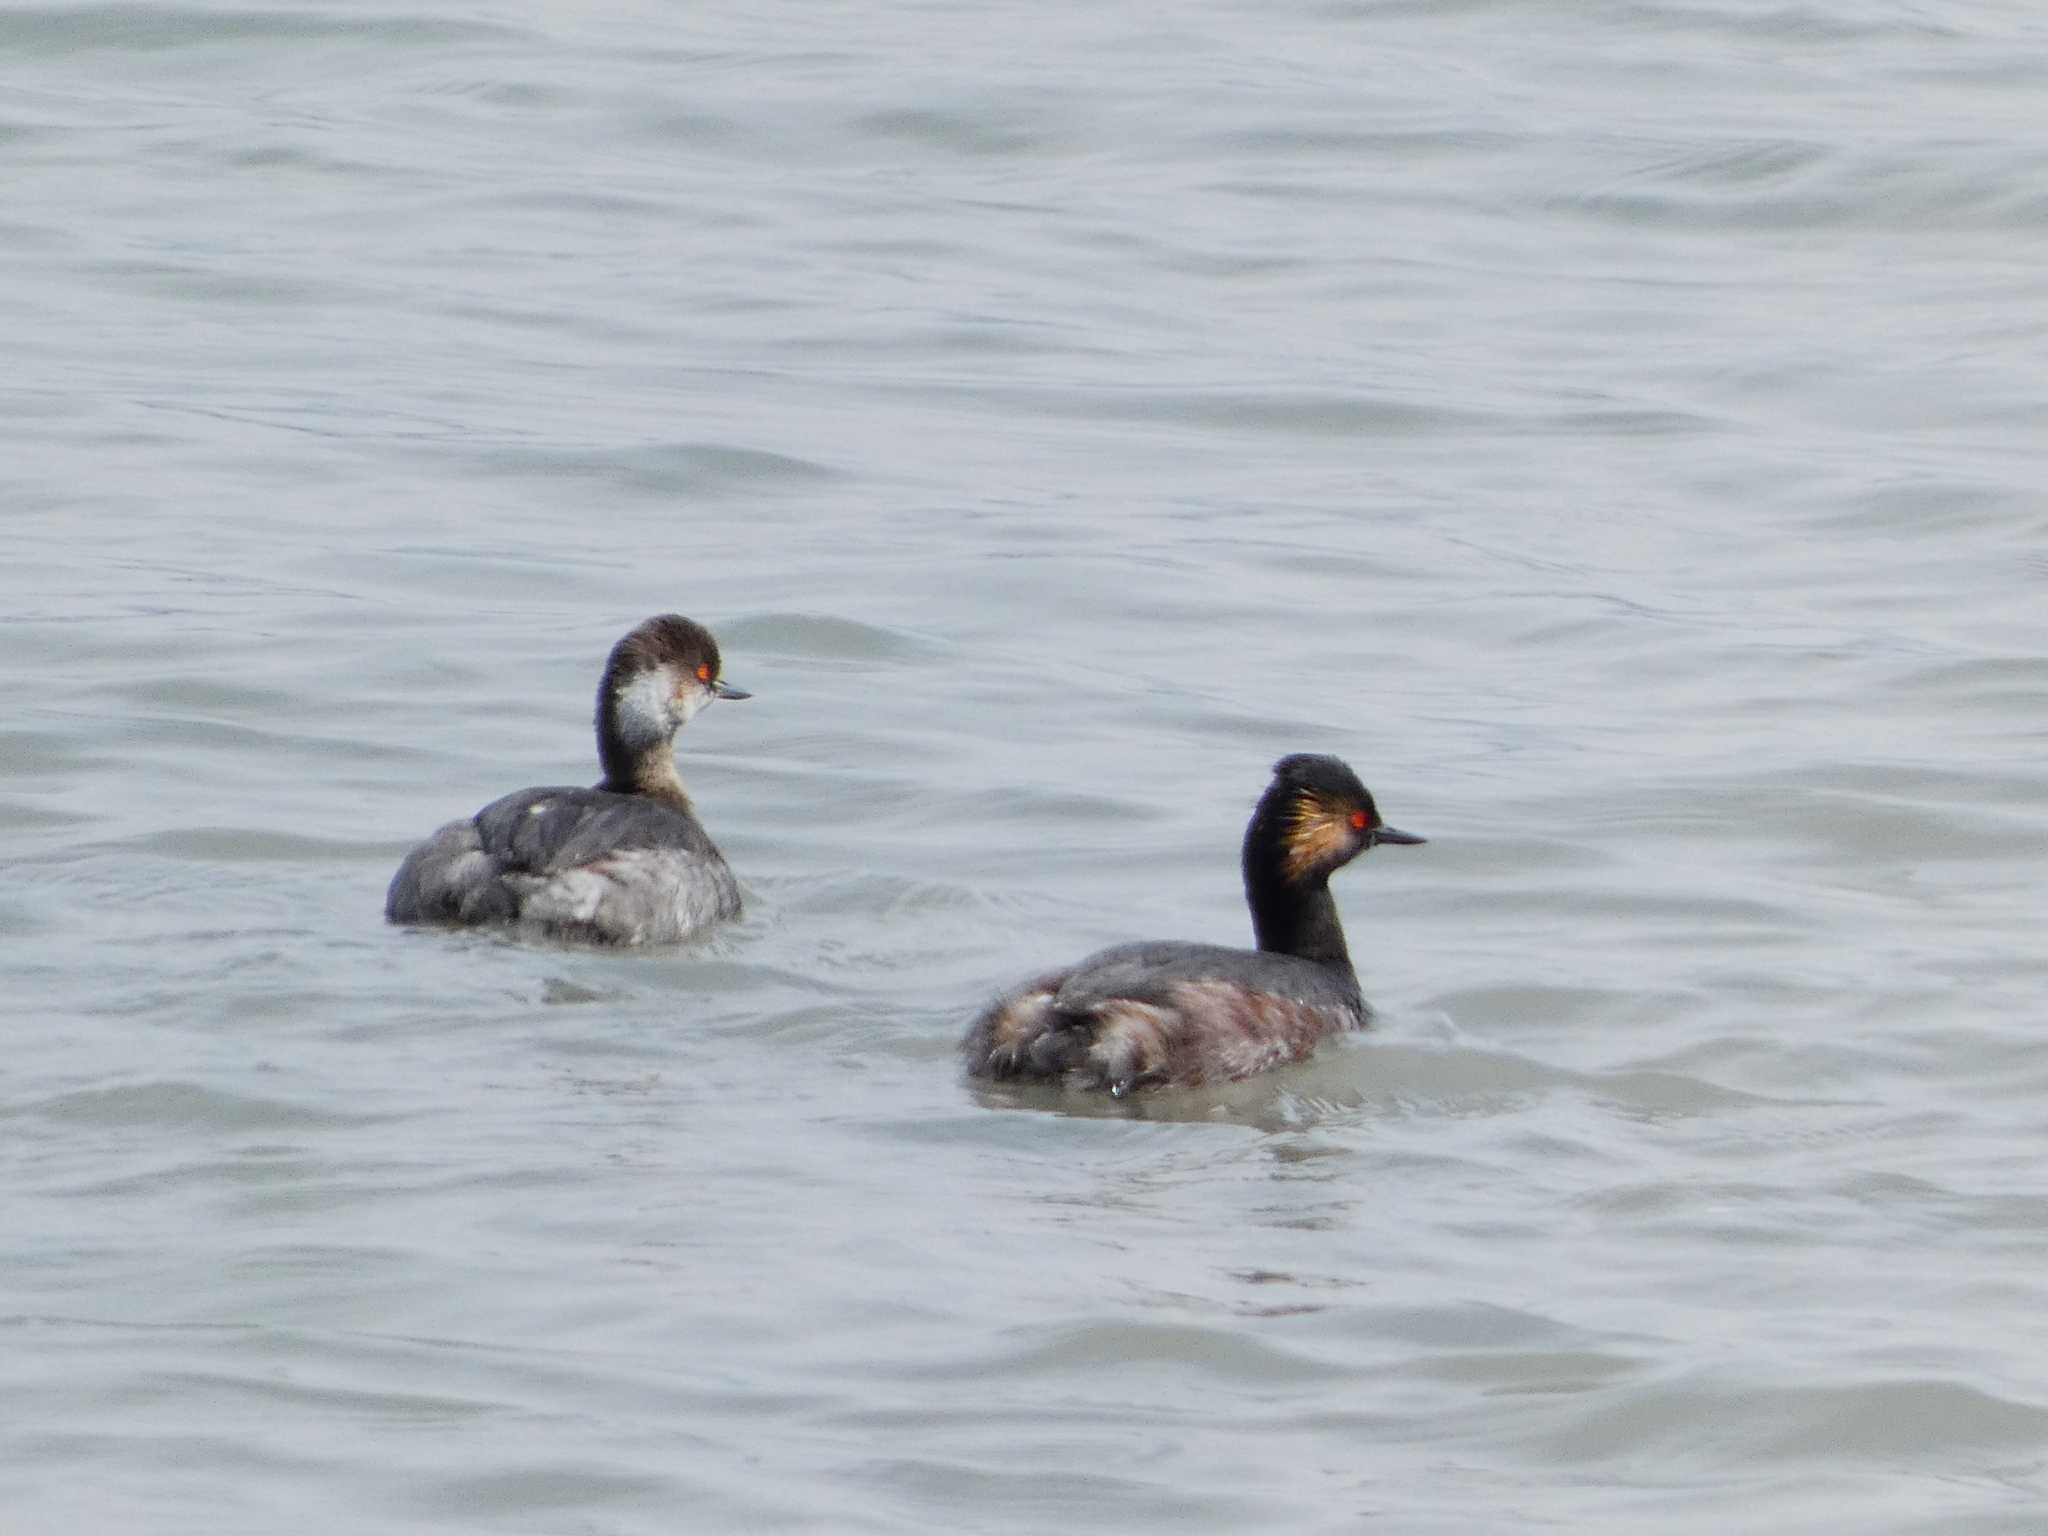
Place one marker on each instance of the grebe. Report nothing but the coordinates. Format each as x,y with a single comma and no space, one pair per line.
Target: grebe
622,863
1186,1014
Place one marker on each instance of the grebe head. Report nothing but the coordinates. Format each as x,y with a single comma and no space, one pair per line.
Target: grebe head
1314,818
662,673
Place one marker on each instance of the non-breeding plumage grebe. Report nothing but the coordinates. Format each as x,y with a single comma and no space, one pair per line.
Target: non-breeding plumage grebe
1188,1014
622,863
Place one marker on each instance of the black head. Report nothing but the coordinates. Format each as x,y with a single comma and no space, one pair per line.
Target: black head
1314,818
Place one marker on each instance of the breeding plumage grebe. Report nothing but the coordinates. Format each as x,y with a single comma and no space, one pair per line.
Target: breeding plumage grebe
1187,1014
622,863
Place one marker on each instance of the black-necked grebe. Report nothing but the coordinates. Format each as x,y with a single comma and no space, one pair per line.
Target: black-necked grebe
622,863
1188,1014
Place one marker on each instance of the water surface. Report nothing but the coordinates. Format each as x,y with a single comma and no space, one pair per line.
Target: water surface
1615,429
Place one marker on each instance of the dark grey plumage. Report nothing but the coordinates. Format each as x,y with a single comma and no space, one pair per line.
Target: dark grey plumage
625,862
1166,1012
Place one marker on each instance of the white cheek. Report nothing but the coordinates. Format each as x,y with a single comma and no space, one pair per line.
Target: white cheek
644,712
687,705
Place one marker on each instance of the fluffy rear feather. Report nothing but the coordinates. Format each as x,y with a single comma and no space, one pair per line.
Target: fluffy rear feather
1147,1014
570,863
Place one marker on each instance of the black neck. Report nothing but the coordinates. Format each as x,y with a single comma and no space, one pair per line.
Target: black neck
1294,916
1296,919
621,763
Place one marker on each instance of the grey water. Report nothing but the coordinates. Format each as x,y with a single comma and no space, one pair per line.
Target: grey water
1618,429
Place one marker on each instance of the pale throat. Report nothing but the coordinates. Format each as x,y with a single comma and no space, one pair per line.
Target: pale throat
646,715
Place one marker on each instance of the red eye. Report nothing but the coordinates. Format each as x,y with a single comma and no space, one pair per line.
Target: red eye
1358,821
704,672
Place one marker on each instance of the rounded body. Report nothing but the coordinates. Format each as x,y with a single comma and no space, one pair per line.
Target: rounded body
570,863
1163,1013
622,863
1188,1014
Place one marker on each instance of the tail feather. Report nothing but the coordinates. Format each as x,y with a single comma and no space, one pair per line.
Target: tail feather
449,879
1116,1045
1199,1032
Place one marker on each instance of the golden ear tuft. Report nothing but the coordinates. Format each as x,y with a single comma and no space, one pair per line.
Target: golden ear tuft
1318,832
